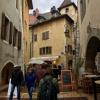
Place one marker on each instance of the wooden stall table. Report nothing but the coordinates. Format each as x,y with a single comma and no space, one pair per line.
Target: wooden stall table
97,82
93,78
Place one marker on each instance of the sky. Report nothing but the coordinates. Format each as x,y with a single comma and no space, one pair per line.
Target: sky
45,5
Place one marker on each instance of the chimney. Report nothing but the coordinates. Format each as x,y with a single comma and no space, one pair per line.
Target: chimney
54,12
36,12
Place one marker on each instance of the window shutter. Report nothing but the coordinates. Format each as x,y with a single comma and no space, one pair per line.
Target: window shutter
14,36
2,26
10,34
19,40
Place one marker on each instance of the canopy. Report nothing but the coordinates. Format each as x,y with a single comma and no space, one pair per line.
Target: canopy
41,60
49,58
36,61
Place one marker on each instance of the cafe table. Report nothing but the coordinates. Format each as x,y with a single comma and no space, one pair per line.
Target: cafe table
97,82
94,82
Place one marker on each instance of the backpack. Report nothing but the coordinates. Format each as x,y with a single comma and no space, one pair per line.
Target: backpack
48,90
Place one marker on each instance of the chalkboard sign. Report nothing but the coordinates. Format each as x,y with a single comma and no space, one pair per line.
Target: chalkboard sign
66,78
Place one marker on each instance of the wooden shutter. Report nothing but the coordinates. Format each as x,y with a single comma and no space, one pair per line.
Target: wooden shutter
2,26
19,40
14,36
10,34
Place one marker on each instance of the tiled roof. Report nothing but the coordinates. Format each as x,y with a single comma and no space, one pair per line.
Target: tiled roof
67,3
32,19
52,19
46,15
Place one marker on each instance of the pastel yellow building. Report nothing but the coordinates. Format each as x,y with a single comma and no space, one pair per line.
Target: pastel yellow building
27,4
70,8
52,39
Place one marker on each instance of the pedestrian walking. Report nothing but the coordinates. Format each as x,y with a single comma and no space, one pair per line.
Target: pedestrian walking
48,86
30,79
16,81
55,71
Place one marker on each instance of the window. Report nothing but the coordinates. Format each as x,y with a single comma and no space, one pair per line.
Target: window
5,28
48,50
19,40
66,10
30,49
14,36
35,37
82,8
2,26
45,50
66,49
45,35
17,1
70,49
11,32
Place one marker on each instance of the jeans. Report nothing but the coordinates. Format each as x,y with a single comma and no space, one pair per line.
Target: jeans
30,90
12,90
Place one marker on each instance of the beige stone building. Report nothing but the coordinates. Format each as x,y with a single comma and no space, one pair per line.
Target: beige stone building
70,8
89,22
10,37
52,38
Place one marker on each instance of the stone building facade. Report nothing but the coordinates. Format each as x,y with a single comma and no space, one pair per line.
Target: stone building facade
10,37
89,23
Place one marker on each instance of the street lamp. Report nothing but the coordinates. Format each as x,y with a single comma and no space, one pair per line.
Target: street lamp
66,31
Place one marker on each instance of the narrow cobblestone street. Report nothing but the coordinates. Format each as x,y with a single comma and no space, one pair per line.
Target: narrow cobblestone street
61,96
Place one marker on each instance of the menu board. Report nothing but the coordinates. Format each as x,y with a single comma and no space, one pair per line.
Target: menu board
66,78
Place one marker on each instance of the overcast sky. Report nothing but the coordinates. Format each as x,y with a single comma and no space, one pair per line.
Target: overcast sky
45,5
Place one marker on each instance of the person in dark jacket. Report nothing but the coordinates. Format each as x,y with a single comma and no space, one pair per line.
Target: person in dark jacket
48,86
16,81
30,79
55,71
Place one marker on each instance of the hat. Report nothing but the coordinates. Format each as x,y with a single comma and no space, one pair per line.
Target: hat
17,66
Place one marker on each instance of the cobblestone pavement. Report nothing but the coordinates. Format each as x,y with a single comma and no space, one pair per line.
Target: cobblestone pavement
61,96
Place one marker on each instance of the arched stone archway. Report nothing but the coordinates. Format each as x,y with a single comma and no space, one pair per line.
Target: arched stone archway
93,48
6,73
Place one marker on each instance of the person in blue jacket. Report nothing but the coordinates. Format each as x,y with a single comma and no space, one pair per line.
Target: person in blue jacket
30,78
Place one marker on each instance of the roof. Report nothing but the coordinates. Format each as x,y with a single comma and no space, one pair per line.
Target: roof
54,18
46,15
30,4
67,3
32,19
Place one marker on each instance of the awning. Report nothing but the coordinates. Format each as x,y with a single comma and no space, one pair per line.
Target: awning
49,58
35,62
